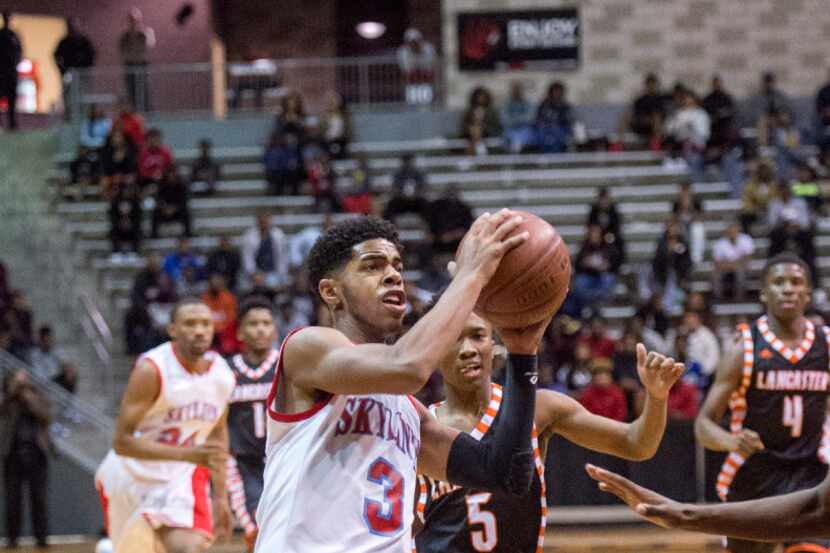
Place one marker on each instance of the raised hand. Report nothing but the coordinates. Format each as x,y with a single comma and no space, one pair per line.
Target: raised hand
652,506
746,442
657,372
486,242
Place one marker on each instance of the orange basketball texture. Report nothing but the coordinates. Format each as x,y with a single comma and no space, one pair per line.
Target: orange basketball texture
532,280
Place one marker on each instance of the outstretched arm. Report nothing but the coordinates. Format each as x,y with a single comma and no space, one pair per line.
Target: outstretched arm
792,516
505,463
636,441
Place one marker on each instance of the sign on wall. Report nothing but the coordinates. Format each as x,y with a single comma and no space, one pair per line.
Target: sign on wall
539,39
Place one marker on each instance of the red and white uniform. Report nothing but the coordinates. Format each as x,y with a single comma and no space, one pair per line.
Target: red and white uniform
341,476
139,496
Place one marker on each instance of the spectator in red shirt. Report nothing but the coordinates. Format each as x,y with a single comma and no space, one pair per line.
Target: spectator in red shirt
154,160
602,396
223,306
130,123
597,338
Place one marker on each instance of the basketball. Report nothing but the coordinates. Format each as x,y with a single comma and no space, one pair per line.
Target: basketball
532,279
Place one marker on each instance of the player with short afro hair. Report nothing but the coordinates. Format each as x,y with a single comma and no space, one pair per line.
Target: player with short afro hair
333,249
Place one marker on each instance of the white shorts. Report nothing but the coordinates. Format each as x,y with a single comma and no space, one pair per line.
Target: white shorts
134,509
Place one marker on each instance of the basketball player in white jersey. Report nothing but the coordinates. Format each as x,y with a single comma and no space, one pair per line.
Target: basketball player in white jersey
344,437
162,486
254,371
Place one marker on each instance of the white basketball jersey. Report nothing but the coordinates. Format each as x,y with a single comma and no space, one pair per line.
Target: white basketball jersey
185,412
340,477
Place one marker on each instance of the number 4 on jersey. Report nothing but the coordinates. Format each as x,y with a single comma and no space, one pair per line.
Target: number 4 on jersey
793,416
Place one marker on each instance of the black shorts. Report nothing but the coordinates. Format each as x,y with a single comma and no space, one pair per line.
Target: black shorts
245,481
764,476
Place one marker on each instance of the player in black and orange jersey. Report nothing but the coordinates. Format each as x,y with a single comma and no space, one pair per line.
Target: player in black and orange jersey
254,371
775,381
466,520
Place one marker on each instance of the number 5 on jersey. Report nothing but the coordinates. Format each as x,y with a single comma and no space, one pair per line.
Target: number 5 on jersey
487,538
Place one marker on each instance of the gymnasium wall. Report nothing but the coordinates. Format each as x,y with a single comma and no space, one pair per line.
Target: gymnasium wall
679,39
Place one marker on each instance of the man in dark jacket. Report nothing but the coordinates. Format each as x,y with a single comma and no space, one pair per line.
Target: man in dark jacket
74,51
25,447
10,55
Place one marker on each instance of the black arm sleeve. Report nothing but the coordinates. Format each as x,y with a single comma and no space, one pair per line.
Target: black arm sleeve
506,462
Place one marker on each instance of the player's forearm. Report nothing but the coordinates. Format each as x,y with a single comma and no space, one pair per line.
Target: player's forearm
421,348
506,462
645,434
711,435
792,516
137,448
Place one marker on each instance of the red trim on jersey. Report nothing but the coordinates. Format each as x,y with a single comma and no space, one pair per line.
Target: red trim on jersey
184,366
290,417
202,516
105,505
413,401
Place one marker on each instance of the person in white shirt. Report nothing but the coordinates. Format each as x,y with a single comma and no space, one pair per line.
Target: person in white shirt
731,255
265,250
690,126
416,59
702,344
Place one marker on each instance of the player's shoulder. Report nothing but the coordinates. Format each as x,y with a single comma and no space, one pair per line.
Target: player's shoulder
312,341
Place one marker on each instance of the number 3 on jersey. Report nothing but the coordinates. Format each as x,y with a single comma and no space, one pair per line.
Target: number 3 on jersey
385,517
793,415
487,538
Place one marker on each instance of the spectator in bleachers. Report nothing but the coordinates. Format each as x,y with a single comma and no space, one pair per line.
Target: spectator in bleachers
671,266
476,142
74,52
11,53
288,317
359,196
335,125
785,137
84,171
223,306
20,319
757,193
25,447
769,101
554,120
139,329
823,116
301,243
130,123
67,377
95,128
282,164
480,115
701,343
292,117
596,268
518,116
804,185
259,288
119,162
731,255
5,291
205,173
724,146
604,213
576,374
596,336
694,373
183,258
323,184
648,113
146,282
265,251
190,284
448,218
133,46
688,129
42,358
154,160
125,220
625,368
225,260
603,396
688,210
409,190
172,202
416,60
791,227
652,323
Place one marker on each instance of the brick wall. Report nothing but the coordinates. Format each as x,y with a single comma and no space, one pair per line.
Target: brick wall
684,40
